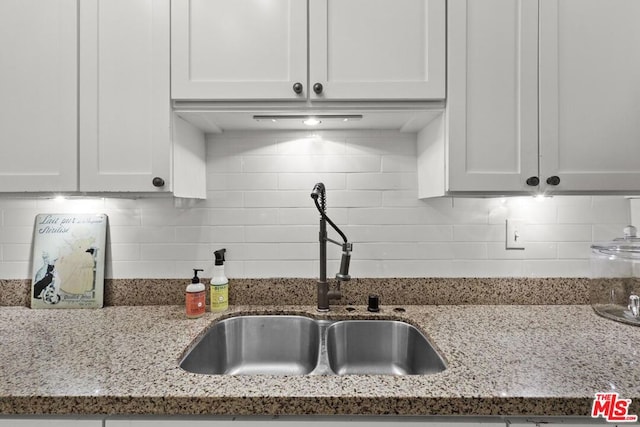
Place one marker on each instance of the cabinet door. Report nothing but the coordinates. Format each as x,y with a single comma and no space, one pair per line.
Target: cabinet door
38,95
590,94
492,117
43,422
238,50
125,114
377,49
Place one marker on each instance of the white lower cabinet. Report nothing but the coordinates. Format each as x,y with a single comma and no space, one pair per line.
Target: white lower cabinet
309,421
44,422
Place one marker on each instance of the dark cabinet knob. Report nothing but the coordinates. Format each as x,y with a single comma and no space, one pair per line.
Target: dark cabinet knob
553,180
317,88
158,182
533,181
297,88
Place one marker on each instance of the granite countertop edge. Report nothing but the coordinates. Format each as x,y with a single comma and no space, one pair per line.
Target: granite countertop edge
502,360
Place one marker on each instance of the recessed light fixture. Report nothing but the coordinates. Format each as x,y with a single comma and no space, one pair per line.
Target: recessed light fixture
308,119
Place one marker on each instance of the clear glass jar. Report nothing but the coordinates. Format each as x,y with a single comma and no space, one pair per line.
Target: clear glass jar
615,278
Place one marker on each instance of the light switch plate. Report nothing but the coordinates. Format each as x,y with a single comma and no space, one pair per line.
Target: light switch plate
515,235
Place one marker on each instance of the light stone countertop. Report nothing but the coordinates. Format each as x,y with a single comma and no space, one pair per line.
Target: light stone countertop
502,360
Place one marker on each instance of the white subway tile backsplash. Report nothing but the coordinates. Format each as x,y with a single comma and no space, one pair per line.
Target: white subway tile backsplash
574,250
558,232
608,232
241,143
305,164
242,216
174,217
310,216
399,163
382,181
280,251
224,199
233,234
532,250
541,250
288,268
611,210
124,251
242,182
16,252
259,208
15,270
217,164
275,199
312,145
353,198
159,234
22,234
401,268
479,233
20,217
281,233
385,143
306,181
151,269
399,233
401,198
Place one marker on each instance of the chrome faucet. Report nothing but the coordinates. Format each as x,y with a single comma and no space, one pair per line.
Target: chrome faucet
324,294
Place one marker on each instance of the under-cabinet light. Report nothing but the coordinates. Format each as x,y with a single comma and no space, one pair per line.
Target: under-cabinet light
308,119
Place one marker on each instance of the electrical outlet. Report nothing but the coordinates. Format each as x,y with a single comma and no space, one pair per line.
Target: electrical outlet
515,237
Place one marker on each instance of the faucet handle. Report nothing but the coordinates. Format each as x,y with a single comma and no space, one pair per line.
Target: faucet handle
374,303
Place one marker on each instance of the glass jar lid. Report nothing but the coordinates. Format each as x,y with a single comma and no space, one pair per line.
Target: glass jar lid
627,246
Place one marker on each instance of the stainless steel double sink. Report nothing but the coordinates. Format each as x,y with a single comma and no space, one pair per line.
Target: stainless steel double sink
297,345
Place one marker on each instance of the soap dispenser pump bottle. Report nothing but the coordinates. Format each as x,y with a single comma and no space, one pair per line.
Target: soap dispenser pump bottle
219,284
195,297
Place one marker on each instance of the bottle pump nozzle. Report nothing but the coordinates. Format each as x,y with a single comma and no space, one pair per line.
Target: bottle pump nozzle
195,278
219,254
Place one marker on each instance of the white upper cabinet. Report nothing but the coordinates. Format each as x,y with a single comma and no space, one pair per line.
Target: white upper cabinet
238,49
357,50
38,95
85,100
125,111
543,96
590,94
377,49
492,115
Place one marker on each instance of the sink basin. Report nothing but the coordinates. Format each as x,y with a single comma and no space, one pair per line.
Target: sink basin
297,345
245,345
380,347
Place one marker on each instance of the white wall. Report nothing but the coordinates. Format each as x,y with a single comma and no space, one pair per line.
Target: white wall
259,208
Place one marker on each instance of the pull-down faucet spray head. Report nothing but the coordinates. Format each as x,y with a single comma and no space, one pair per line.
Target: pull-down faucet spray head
318,190
318,194
343,274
